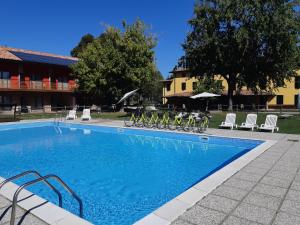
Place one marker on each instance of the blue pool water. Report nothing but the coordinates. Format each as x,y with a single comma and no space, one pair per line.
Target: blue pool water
120,174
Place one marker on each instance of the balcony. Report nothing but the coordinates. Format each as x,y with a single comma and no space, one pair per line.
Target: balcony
12,85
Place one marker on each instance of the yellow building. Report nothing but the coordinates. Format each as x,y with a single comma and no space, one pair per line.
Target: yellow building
180,86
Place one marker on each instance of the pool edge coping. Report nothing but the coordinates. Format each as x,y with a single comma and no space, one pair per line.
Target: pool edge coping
169,211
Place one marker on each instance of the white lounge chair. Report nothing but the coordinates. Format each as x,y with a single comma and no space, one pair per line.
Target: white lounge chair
86,114
250,122
229,121
71,115
270,123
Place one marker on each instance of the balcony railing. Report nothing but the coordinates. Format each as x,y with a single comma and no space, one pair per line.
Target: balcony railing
35,85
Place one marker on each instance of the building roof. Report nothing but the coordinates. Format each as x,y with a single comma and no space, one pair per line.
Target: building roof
17,54
181,94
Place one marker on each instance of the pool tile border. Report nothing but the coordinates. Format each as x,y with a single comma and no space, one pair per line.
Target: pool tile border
167,213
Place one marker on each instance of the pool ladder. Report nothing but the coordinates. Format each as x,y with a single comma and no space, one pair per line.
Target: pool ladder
59,118
40,179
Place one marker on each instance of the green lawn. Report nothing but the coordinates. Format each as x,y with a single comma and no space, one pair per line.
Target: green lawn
290,126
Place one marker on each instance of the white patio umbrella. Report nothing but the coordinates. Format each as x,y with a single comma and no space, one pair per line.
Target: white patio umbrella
205,95
127,95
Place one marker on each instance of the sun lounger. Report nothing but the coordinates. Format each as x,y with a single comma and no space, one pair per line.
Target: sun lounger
250,122
71,115
229,121
86,114
270,123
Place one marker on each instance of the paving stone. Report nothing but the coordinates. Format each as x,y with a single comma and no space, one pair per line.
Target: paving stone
255,170
181,222
238,183
4,202
287,167
291,207
293,195
263,200
203,216
281,175
286,219
258,164
297,178
230,192
295,186
247,176
254,213
28,220
270,190
232,220
275,182
218,203
6,214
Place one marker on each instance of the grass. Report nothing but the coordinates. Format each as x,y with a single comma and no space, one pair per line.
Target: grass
290,126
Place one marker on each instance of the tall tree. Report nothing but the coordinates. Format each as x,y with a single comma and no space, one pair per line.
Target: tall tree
209,84
250,43
117,61
85,40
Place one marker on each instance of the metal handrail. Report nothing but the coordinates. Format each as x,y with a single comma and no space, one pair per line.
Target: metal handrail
38,175
15,198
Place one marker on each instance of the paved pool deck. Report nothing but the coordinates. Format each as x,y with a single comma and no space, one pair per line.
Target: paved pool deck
266,191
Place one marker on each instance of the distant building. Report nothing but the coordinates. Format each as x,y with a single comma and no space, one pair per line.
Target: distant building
35,80
180,86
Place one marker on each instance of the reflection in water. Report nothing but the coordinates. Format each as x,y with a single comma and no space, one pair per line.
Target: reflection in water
166,143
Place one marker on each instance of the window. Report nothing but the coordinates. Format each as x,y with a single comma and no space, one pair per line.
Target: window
183,86
296,100
194,85
168,86
297,82
279,99
4,75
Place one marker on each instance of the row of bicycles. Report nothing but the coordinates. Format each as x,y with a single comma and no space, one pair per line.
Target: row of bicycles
184,121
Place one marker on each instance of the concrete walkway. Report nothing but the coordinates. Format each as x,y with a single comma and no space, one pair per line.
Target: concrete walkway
266,191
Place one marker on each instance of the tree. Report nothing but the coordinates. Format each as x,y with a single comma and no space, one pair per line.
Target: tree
153,89
251,43
116,62
85,40
208,84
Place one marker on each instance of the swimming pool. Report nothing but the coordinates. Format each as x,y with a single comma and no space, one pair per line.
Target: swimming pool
120,174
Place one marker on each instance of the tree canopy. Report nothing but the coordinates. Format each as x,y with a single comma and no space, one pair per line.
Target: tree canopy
209,84
251,43
117,61
85,40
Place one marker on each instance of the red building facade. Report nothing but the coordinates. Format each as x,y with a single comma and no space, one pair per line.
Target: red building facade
36,80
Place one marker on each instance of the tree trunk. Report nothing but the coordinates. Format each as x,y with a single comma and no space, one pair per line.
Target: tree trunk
231,88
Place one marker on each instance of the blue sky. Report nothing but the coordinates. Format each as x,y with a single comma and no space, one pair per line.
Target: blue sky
56,26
